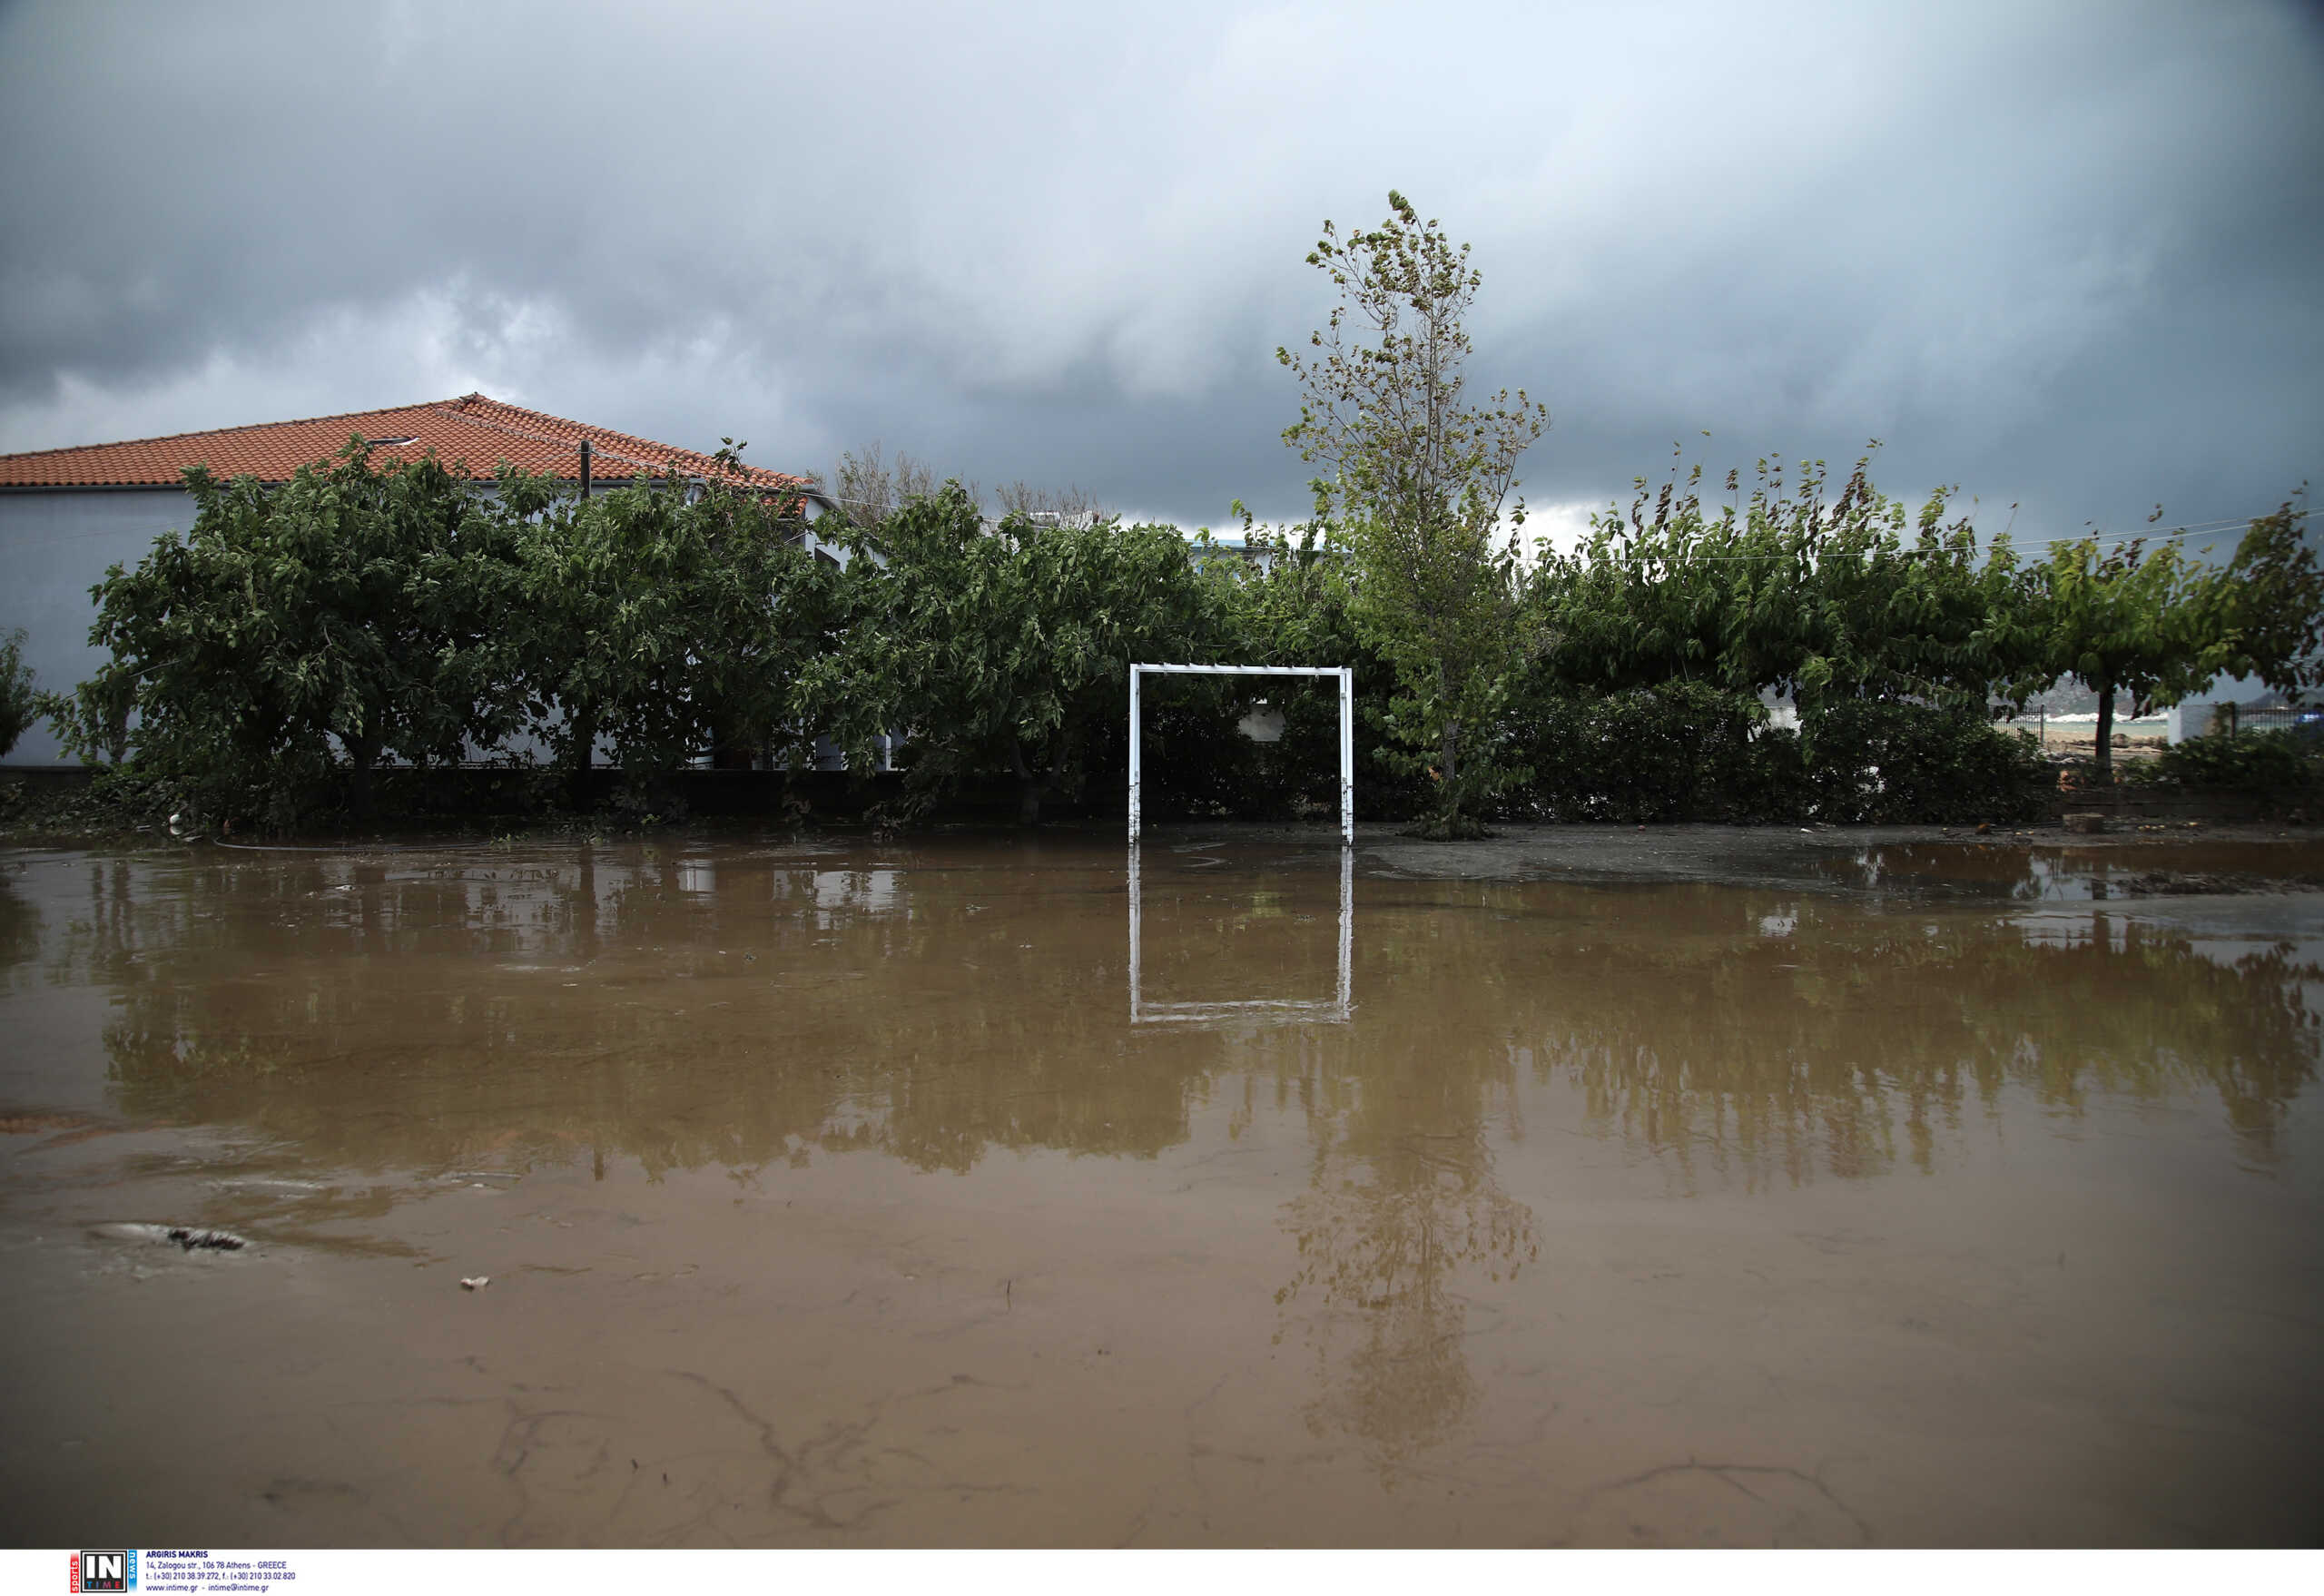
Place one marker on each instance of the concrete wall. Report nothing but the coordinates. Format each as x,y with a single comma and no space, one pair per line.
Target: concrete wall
54,547
2193,718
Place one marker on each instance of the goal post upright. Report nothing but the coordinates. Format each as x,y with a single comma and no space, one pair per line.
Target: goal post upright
1137,678
1348,757
1346,675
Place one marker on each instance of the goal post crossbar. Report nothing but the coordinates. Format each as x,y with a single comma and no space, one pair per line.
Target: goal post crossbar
1139,673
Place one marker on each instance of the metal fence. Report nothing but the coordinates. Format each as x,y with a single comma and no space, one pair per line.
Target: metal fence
2307,719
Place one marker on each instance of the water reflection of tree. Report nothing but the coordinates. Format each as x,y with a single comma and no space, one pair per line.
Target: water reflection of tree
1729,1040
1762,1056
506,1010
1938,868
20,928
1383,1242
1402,1218
439,1011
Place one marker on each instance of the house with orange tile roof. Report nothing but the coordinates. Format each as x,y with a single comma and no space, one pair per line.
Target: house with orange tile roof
68,513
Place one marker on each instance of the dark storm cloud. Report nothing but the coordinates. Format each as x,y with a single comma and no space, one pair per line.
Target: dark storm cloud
2062,255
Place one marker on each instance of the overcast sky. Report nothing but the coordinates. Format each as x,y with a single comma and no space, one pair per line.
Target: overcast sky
2066,255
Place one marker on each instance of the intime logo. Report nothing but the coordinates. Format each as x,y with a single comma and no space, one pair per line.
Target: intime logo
105,1571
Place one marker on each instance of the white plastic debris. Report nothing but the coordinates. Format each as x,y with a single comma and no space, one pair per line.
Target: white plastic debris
476,1281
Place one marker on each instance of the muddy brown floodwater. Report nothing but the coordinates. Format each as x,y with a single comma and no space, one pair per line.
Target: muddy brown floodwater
967,1190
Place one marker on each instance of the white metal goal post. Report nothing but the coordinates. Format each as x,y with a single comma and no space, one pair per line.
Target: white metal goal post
1139,673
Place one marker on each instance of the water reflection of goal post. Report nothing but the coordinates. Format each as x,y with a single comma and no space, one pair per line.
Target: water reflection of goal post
1339,1007
1139,673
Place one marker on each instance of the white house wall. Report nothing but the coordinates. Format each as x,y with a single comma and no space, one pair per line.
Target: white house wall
2194,717
55,545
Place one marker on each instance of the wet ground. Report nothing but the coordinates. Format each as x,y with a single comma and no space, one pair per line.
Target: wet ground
1690,1187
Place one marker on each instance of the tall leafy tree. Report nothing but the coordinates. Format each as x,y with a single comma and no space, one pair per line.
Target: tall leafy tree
291,631
2274,603
1290,601
1002,648
670,618
1793,590
2131,619
1417,481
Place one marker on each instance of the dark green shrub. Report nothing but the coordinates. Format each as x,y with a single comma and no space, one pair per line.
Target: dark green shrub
115,799
2280,763
1680,751
1197,765
1687,751
1886,763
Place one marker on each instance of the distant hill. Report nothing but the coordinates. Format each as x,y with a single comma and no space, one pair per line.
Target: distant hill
2073,698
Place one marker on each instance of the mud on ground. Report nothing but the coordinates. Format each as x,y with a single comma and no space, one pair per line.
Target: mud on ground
2132,859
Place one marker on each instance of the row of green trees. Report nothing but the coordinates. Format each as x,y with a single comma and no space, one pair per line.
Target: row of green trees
268,660
1849,598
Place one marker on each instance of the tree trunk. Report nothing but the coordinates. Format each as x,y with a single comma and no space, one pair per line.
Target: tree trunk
2105,734
584,754
1029,786
729,750
1448,760
363,753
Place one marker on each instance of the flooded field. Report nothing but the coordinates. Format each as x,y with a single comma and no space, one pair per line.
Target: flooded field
978,1191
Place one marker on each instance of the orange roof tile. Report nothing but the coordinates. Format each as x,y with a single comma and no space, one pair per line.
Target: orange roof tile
472,429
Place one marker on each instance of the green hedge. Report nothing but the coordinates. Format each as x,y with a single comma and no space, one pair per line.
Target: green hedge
2278,763
1680,752
1686,752
1890,763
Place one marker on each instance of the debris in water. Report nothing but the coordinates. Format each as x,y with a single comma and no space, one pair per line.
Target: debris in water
188,1236
223,1241
476,1281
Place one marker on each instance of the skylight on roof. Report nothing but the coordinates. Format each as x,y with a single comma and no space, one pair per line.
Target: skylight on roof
394,442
